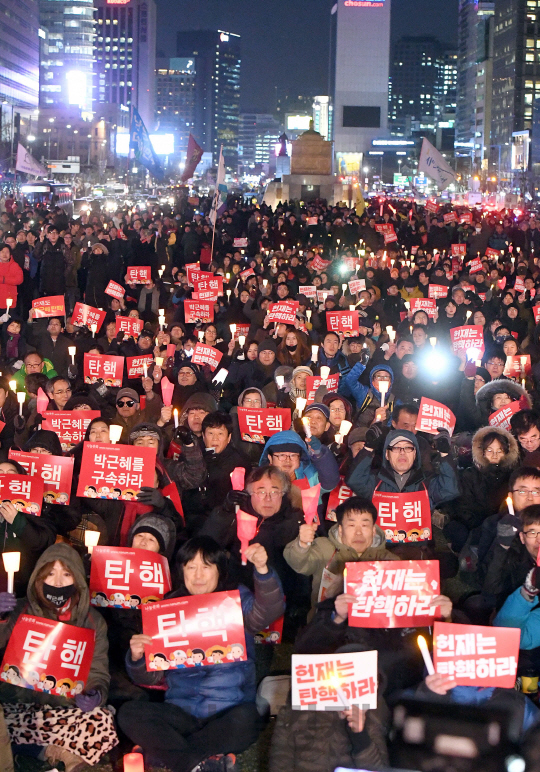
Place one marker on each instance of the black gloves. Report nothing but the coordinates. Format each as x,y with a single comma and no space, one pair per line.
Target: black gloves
120,336
19,423
99,387
242,498
183,435
507,527
364,356
442,441
152,497
72,372
373,435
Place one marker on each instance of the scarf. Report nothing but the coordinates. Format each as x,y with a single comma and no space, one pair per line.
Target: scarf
12,346
155,300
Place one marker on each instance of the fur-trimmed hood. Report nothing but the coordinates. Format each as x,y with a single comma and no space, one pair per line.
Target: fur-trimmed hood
485,395
510,460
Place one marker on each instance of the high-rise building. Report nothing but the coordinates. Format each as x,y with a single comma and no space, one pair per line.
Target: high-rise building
360,55
66,67
217,89
19,40
175,99
257,135
323,112
125,54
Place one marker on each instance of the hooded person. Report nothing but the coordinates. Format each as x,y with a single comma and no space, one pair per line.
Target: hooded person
43,441
192,414
189,381
368,400
76,728
252,399
498,394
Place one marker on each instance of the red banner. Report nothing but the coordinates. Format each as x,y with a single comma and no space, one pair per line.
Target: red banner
449,217
393,593
432,207
334,681
48,657
476,656
69,425
258,423
197,311
50,306
135,365
424,304
84,315
56,473
194,631
115,290
24,492
459,250
518,366
284,311
475,265
466,217
501,418
436,291
244,275
196,275
340,494
314,381
206,355
208,297
103,366
139,274
115,471
241,329
129,325
319,264
493,254
357,285
469,337
519,284
432,415
342,321
122,577
404,517
214,285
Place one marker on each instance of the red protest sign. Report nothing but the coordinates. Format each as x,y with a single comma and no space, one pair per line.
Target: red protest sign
394,593
475,265
115,471
197,311
342,321
389,238
312,220
424,304
206,355
257,423
466,217
69,425
384,228
48,657
469,337
319,264
49,306
84,315
493,254
244,275
271,634
501,418
284,311
56,472
518,366
449,217
115,290
194,631
536,311
314,381
129,325
474,655
24,492
214,285
519,284
436,291
404,517
334,681
208,296
241,329
105,367
122,577
350,262
357,285
432,415
240,242
340,494
135,365
139,274
459,250
195,275
431,206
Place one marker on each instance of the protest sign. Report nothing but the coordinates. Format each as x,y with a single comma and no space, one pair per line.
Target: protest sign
103,367
424,304
139,274
214,285
256,424
49,306
115,471
56,473
69,425
334,681
135,365
239,242
122,577
357,285
493,254
404,517
436,291
271,634
85,315
517,366
340,494
284,311
501,418
308,291
319,264
206,355
129,325
198,311
342,321
432,415
115,290
459,250
468,337
314,381
24,492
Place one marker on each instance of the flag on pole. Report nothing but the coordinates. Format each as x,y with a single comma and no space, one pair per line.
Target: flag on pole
142,147
220,193
360,204
27,163
433,164
193,157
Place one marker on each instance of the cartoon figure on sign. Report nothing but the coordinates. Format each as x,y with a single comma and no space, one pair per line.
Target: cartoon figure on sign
413,535
117,600
178,659
426,534
32,680
159,662
401,536
78,688
90,492
115,493
63,688
133,601
104,492
258,638
20,506
33,508
62,498
12,675
273,637
49,683
215,655
100,599
197,657
150,599
48,498
236,653
389,534
128,495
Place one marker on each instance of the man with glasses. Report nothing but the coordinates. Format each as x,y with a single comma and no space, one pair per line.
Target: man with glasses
129,413
33,363
495,366
59,392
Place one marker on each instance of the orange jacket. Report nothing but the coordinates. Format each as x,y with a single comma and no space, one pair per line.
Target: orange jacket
10,276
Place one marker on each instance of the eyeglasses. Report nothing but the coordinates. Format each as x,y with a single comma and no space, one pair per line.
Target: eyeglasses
337,410
531,534
268,494
125,403
382,378
500,365
524,492
253,402
286,456
402,450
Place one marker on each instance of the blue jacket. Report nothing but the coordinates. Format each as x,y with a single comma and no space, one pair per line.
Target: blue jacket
442,486
318,466
518,612
351,387
339,363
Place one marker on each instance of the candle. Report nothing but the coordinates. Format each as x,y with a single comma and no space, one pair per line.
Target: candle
468,315
523,383
352,308
422,645
308,314
407,305
433,342
93,327
21,396
228,294
280,381
345,427
338,438
314,354
201,335
12,562
325,372
221,375
510,505
145,369
241,340
160,272
9,303
307,427
344,288
383,388
175,415
13,385
159,361
115,432
265,282
162,312
232,328
72,351
91,539
301,402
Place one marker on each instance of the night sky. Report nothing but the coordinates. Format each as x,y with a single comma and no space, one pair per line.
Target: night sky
285,42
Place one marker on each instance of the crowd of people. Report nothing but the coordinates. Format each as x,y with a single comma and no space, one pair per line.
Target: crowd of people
257,304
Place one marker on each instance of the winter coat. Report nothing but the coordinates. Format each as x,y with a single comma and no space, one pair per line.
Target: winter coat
330,552
484,486
506,571
99,275
518,612
204,691
485,394
54,259
82,615
11,276
55,351
367,399
317,467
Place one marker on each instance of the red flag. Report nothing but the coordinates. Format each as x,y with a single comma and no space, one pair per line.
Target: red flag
246,528
310,500
193,157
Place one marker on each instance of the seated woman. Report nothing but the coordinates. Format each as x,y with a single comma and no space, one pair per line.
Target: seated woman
75,730
208,710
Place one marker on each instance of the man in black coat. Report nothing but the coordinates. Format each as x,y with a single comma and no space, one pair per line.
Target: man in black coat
54,261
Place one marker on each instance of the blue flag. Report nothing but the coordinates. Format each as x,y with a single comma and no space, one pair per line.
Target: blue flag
142,147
